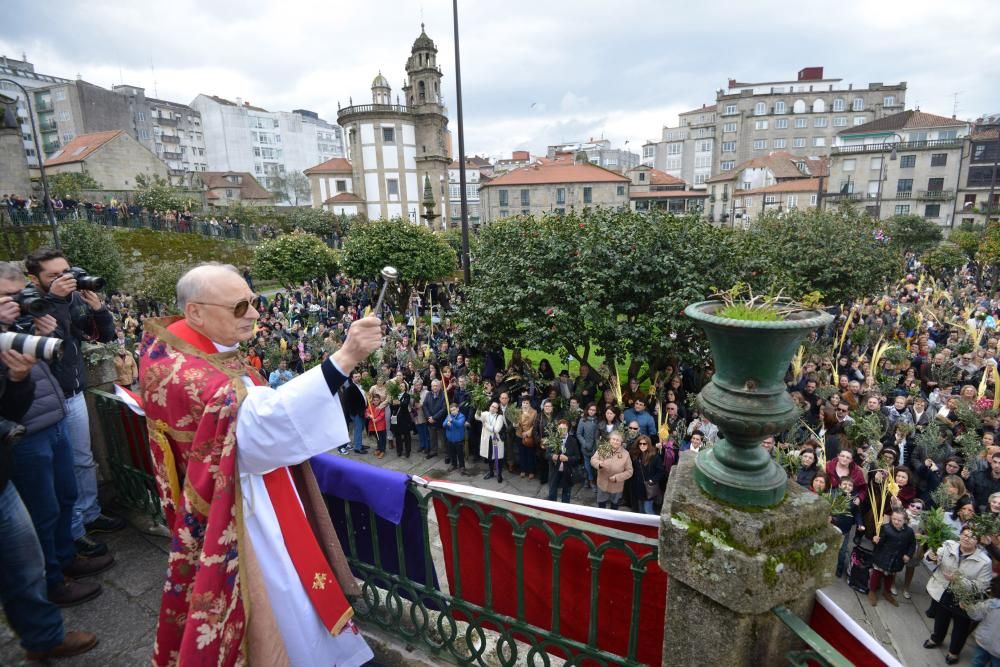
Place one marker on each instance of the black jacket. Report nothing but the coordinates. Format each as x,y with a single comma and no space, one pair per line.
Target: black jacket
15,400
892,546
572,448
352,400
77,323
982,485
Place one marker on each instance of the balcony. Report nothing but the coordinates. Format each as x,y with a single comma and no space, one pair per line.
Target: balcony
901,194
43,105
48,125
167,155
372,108
165,121
901,146
170,139
936,195
51,147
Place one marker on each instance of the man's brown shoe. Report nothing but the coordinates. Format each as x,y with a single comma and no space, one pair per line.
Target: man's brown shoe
872,598
75,643
891,599
71,592
81,566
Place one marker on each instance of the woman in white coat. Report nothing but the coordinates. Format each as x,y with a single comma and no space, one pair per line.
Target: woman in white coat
491,440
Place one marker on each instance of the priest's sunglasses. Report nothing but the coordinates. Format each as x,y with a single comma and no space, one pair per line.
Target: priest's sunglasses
239,308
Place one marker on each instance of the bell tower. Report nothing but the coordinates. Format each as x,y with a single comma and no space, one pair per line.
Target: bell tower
381,92
423,86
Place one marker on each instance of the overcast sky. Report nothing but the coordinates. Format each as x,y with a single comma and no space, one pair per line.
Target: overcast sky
534,72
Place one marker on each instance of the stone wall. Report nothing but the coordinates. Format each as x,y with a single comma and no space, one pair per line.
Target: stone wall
14,178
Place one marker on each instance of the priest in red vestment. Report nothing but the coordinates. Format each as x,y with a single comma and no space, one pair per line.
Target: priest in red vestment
256,574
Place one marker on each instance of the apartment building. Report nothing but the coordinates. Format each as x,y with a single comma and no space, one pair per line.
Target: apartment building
23,72
599,152
732,194
685,151
979,177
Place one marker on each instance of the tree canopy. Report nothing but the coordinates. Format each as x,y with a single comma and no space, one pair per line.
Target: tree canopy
420,255
293,258
71,184
93,248
156,194
913,233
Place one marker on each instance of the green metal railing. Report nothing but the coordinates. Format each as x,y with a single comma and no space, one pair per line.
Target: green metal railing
128,453
447,623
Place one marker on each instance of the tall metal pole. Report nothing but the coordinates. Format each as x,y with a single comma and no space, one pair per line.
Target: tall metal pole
41,163
466,269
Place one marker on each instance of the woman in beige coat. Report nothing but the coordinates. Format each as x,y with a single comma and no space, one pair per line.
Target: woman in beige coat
612,471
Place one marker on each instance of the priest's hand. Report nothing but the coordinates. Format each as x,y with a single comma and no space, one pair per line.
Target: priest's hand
363,338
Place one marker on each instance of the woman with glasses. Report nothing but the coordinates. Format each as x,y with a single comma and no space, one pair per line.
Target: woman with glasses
649,476
956,557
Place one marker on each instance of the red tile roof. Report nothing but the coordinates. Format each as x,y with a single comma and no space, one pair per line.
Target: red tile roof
705,109
81,147
904,120
800,185
657,177
550,171
249,187
344,197
986,135
337,165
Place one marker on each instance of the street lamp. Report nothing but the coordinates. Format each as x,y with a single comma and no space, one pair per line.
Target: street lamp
41,162
883,173
466,269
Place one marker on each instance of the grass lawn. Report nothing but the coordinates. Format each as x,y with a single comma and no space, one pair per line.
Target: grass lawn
595,360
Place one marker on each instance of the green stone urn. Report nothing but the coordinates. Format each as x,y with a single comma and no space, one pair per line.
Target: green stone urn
747,400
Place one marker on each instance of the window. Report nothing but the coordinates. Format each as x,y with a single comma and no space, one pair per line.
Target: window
779,107
819,106
705,146
848,165
64,116
876,164
902,209
801,122
504,213
729,127
939,159
859,120
588,195
781,124
67,136
675,149
341,186
907,161
699,179
642,176
143,133
935,184
730,110
813,198
821,122
728,146
59,95
561,194
229,192
770,199
759,109
648,151
858,104
760,125
727,165
932,211
388,135
947,134
819,141
904,185
525,197
503,198
780,143
889,101
759,144
799,142
838,104
621,190
799,106
792,201
840,121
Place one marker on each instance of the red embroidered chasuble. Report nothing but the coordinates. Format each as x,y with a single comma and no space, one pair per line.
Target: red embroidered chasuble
191,394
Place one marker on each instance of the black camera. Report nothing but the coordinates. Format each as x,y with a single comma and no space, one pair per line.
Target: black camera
85,280
33,302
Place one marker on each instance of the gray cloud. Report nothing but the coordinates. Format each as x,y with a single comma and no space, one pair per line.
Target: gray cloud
621,68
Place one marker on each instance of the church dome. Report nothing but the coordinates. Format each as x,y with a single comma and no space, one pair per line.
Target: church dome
380,82
423,42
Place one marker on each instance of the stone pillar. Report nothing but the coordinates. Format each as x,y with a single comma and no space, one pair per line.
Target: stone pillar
729,567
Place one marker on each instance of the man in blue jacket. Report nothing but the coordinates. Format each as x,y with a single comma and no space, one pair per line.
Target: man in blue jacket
454,433
637,413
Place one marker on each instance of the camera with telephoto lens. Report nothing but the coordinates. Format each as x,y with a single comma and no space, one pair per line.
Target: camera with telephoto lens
85,280
33,302
40,347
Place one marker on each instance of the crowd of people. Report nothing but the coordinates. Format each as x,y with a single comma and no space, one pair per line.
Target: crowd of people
899,401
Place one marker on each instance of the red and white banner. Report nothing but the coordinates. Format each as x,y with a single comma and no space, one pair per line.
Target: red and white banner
131,399
615,582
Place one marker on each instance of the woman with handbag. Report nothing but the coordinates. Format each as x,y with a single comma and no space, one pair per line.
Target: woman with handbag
401,421
649,469
562,463
524,439
962,557
491,440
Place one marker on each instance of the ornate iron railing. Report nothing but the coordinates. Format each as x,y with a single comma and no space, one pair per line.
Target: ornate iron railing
819,650
128,453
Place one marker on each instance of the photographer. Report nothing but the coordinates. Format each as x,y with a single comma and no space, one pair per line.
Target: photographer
79,316
35,619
